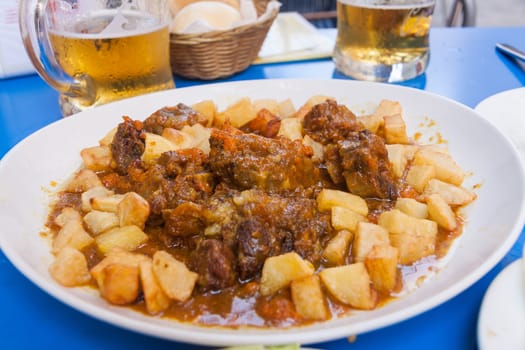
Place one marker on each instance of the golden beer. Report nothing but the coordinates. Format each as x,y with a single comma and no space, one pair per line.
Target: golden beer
114,66
383,42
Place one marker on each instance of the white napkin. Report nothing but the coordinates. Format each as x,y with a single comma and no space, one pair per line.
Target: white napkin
292,37
13,57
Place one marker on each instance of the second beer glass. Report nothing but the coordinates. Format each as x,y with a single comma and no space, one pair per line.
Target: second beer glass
383,40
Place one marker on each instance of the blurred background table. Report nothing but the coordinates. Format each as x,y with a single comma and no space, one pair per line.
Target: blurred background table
464,66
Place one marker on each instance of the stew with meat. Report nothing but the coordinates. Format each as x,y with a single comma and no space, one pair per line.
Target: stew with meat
250,217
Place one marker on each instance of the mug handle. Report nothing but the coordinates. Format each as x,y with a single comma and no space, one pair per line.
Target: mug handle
34,32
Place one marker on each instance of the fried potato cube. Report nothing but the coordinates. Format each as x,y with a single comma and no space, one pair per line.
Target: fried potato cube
337,248
440,212
107,204
286,109
398,159
372,122
126,237
375,121
436,148
237,114
381,264
100,221
446,168
307,106
387,108
399,156
414,238
175,279
67,214
156,300
366,237
317,148
345,219
327,199
199,137
453,195
97,158
395,129
266,103
207,108
155,145
70,268
308,298
419,175
120,284
116,256
278,271
291,128
87,196
83,181
350,285
178,138
72,234
133,210
412,247
412,207
108,138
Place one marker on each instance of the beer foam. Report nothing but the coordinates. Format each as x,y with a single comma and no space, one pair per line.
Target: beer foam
123,23
118,23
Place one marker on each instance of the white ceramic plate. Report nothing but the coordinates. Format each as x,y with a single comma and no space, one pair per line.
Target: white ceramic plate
502,315
506,111
494,220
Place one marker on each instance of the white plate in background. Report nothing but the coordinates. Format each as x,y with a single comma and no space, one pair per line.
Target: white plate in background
506,111
493,221
501,323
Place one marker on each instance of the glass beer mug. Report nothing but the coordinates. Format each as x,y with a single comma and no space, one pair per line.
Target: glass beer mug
97,51
383,40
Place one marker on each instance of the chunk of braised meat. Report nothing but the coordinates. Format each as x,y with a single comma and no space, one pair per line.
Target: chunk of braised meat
265,124
164,240
128,144
332,162
148,183
253,225
116,182
252,161
176,177
221,215
184,161
185,220
328,122
366,168
275,224
192,181
256,240
278,310
215,263
353,156
175,117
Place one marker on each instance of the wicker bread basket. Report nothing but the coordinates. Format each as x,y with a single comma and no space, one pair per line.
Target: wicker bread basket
219,54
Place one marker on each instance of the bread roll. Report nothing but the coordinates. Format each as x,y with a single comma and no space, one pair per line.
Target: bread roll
210,15
177,5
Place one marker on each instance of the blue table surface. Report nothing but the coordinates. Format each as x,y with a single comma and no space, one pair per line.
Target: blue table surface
464,66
